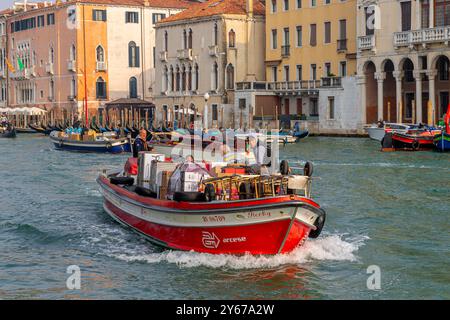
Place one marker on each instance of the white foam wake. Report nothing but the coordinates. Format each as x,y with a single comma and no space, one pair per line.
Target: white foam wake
328,247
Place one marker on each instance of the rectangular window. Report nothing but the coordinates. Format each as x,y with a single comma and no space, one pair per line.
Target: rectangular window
157,16
50,19
286,5
343,69
215,114
343,29
312,35
274,6
131,17
313,3
299,36
326,1
286,73
299,72
286,36
327,69
41,21
406,15
313,74
274,74
299,4
331,108
425,13
154,57
274,39
327,32
99,15
314,108
101,90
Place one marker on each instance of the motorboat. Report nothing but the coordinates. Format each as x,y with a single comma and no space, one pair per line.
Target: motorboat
217,210
377,131
90,142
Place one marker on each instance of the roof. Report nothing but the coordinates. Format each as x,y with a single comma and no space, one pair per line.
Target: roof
217,7
130,102
178,4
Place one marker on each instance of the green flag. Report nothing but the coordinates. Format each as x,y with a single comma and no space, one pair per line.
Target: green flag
20,63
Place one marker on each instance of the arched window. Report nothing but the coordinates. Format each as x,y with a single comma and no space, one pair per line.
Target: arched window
231,39
183,78
178,79
230,76
100,88
73,53
216,34
215,77
196,77
51,57
165,83
133,88
189,76
133,55
172,79
184,39
166,41
190,39
100,54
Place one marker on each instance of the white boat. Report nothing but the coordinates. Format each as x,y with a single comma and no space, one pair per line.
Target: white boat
377,131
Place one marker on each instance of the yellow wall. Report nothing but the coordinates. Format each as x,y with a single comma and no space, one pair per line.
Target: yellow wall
96,34
307,55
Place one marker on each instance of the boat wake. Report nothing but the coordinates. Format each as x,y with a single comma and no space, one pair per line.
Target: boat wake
329,247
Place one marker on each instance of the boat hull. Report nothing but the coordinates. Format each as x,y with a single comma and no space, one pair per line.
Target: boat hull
8,134
442,142
258,226
112,146
376,133
414,142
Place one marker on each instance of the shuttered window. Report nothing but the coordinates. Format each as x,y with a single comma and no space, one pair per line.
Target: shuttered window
406,15
313,36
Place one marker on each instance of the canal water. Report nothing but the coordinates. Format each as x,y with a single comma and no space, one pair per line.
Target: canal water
389,210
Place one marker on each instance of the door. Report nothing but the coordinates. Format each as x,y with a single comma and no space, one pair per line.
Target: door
286,106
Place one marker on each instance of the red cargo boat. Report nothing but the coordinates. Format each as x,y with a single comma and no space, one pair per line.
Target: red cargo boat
266,225
413,141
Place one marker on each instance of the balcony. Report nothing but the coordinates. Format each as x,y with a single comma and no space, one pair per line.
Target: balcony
30,72
72,65
163,56
366,42
422,37
101,66
213,51
18,75
331,82
49,68
285,51
184,54
342,45
256,85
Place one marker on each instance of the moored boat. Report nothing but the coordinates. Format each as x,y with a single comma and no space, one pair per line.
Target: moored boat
7,132
213,220
377,131
413,141
442,141
100,144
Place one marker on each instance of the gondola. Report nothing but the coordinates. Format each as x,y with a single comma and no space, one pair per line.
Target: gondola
8,132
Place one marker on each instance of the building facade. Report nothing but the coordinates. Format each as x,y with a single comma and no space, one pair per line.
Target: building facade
310,67
74,54
3,67
205,50
403,60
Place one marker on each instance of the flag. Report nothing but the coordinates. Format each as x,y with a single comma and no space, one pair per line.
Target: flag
20,63
10,66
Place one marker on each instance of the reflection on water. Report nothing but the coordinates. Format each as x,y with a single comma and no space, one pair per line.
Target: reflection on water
387,209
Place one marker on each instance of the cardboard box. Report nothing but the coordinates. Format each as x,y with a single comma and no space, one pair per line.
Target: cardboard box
190,186
162,193
190,176
75,136
88,137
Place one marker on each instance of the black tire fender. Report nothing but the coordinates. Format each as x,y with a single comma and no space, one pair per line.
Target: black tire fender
415,145
319,223
284,167
145,192
308,169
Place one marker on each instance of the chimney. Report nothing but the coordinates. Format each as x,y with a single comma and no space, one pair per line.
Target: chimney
146,3
250,8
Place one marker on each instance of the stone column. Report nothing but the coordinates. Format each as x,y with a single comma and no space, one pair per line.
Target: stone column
361,82
432,94
380,76
398,75
418,77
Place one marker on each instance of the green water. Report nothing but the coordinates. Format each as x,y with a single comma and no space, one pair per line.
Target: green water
385,209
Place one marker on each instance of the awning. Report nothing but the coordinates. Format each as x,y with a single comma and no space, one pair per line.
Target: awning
124,103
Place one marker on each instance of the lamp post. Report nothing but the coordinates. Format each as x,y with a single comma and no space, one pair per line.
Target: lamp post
205,112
